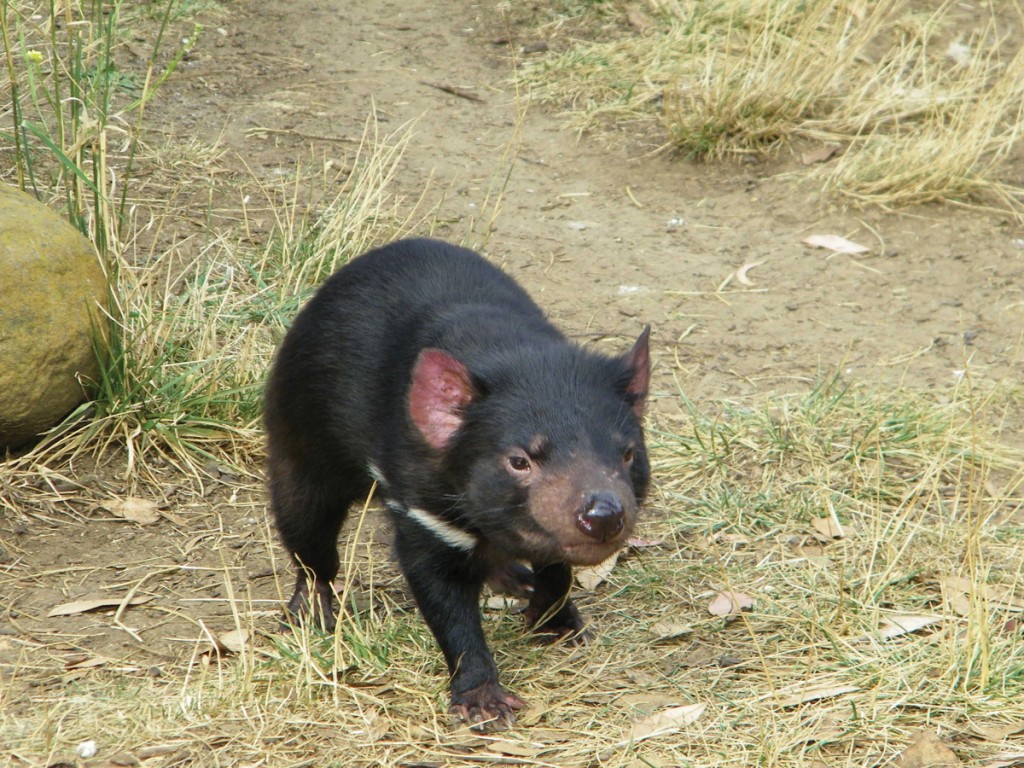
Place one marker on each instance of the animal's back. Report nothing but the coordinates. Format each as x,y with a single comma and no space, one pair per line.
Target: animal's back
344,366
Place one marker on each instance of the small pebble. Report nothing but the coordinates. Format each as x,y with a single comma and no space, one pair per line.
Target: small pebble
86,749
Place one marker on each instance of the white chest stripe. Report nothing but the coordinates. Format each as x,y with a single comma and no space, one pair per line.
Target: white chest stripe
376,474
445,531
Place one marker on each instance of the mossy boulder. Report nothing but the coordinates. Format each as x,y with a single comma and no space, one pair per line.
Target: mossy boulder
52,287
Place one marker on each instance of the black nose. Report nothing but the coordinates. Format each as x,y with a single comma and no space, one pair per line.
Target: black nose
602,517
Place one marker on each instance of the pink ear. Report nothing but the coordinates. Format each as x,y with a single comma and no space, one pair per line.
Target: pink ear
439,392
639,360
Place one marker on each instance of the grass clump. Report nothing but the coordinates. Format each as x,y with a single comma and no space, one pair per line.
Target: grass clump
926,104
192,325
848,516
74,111
183,378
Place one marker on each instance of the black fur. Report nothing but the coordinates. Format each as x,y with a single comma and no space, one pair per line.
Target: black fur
433,366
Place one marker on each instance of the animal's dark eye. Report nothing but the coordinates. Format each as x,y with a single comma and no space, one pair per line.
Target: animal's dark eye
627,456
519,463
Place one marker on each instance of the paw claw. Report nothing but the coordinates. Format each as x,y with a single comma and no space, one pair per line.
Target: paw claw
487,708
567,624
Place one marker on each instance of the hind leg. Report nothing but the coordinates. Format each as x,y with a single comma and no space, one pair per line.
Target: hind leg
511,578
309,514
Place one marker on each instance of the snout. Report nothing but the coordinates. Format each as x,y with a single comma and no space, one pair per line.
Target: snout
582,515
602,517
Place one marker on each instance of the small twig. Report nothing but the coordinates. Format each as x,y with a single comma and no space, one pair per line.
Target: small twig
290,131
454,90
128,598
629,194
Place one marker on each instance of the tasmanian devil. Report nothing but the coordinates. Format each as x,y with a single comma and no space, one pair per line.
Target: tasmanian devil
493,441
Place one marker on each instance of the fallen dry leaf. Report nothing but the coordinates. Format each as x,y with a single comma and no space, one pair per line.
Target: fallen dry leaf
589,578
820,154
1007,760
828,527
502,602
835,243
953,585
646,704
668,630
635,542
639,20
741,273
814,693
726,603
894,626
666,721
927,750
84,606
959,584
233,641
997,732
516,748
141,511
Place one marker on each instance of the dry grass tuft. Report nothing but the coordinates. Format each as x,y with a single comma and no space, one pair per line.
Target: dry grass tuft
928,104
195,325
945,140
196,299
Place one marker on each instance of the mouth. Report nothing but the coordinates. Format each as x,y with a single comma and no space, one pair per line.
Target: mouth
590,553
536,544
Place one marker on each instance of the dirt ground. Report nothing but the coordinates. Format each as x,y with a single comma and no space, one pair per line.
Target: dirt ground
611,238
606,237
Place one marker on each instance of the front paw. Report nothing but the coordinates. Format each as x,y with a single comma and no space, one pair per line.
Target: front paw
488,707
566,624
317,609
